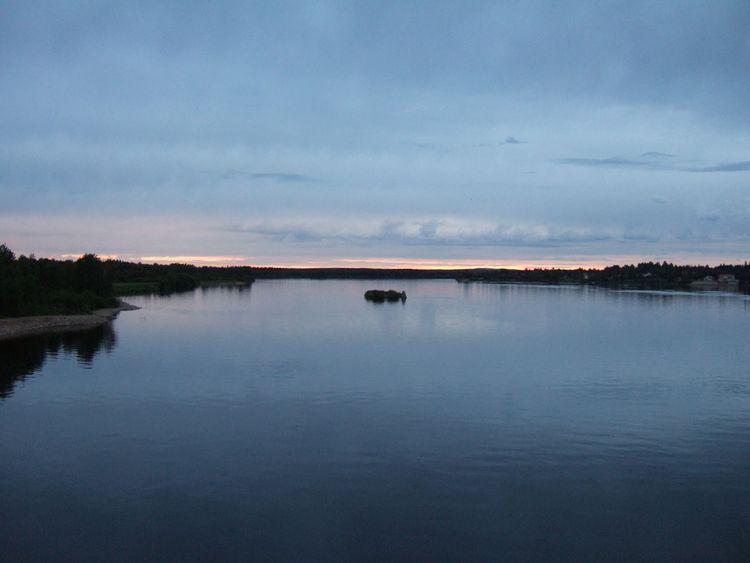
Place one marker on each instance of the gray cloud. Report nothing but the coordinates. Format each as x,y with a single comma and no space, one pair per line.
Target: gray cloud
428,229
743,166
613,162
283,177
654,163
657,154
431,232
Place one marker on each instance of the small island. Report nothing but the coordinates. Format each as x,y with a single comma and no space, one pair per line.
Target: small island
383,295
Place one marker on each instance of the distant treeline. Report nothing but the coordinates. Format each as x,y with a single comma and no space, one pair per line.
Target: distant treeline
353,273
132,278
37,286
646,275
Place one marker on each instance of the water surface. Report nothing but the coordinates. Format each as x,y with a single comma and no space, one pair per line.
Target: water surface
296,421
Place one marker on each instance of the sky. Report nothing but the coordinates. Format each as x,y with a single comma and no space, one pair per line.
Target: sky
390,134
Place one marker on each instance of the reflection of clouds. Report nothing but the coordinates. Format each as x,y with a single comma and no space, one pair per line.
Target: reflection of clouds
431,318
612,386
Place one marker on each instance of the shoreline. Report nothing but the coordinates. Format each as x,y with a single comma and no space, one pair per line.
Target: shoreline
20,327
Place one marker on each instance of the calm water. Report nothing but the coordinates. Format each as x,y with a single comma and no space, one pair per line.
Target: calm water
295,421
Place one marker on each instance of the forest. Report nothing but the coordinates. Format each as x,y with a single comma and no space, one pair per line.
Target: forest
44,286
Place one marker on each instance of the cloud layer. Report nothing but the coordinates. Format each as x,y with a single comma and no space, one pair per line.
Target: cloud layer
331,130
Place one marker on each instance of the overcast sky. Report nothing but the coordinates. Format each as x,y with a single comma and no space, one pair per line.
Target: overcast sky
377,133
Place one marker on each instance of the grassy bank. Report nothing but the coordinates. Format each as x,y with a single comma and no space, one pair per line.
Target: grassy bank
122,289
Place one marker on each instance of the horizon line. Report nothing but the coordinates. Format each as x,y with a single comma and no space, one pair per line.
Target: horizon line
401,263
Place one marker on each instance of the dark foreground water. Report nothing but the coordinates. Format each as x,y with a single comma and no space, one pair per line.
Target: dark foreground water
295,421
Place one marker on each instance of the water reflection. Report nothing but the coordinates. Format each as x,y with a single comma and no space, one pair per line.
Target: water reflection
22,357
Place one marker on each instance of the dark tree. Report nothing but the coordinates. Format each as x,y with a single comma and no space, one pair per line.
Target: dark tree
89,275
10,283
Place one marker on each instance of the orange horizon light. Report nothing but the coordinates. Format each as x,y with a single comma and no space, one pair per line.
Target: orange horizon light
398,263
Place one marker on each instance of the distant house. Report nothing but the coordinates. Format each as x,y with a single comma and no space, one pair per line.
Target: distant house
725,282
727,278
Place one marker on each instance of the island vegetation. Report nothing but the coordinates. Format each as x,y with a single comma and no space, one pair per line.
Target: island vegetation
383,295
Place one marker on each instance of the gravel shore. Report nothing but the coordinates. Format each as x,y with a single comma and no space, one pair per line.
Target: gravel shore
29,326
